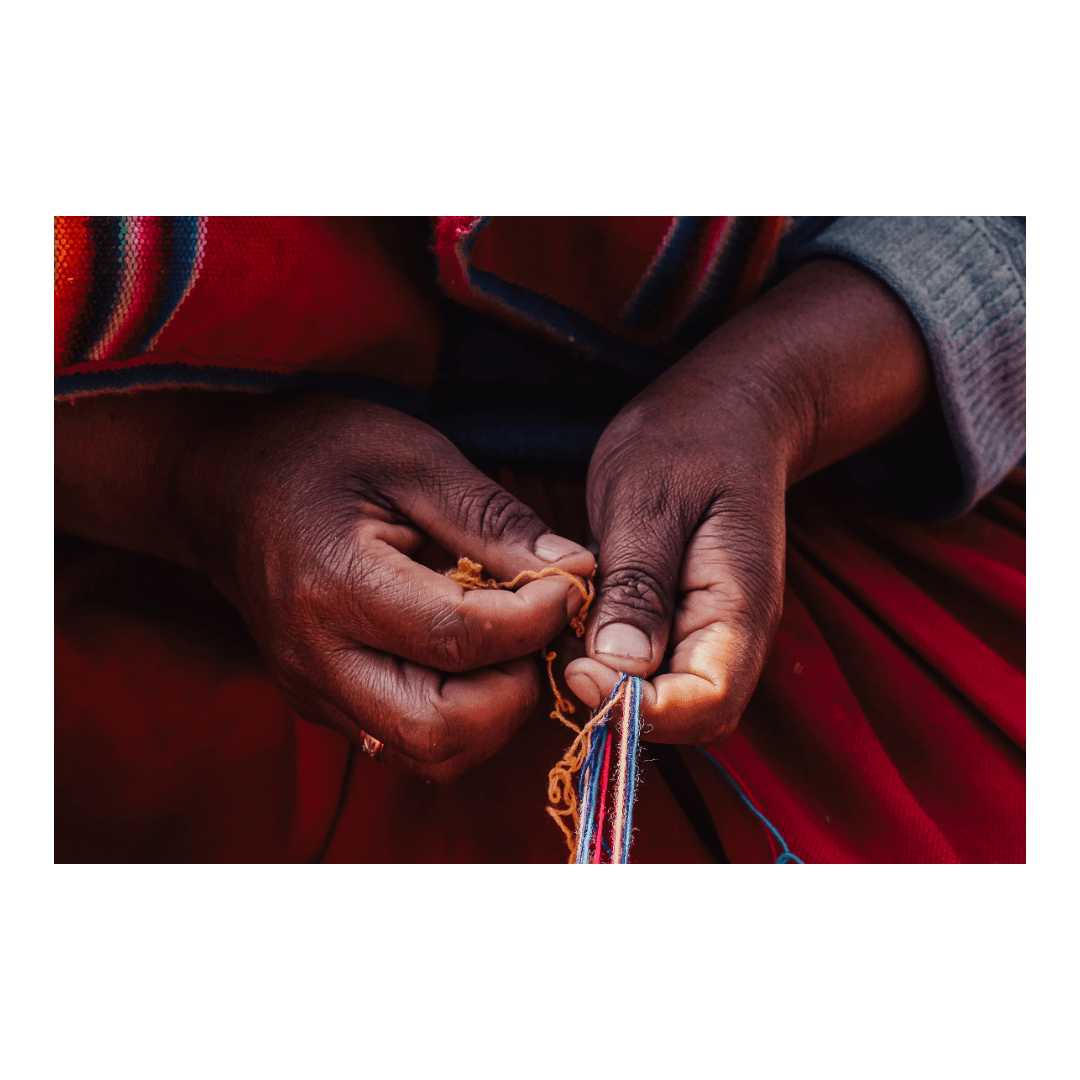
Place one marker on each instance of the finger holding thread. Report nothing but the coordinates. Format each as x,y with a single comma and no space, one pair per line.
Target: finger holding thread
402,607
469,514
729,595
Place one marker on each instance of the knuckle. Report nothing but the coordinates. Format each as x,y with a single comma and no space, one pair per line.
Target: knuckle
496,514
291,658
652,501
452,644
428,738
635,589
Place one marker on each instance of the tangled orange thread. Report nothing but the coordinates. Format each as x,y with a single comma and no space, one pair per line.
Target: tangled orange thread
561,793
470,575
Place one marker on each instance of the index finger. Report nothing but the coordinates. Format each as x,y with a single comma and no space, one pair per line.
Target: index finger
416,613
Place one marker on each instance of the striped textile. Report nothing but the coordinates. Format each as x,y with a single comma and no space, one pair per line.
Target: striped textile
238,303
119,281
257,303
609,284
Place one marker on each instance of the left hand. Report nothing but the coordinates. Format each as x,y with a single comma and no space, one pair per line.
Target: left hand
686,489
689,515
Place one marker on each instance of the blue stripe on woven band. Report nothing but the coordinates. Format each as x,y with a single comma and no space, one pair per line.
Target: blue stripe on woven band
182,253
664,270
598,764
587,794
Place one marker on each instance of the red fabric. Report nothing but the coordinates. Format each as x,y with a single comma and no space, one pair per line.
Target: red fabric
602,806
888,725
72,279
597,266
702,267
910,726
592,264
281,295
759,261
171,743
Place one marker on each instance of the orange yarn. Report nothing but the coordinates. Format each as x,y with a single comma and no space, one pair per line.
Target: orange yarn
561,778
561,793
469,575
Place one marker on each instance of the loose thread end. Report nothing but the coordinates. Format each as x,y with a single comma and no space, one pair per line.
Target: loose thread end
469,575
561,794
575,757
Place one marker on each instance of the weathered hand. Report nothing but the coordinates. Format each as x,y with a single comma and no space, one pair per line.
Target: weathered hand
305,511
318,504
691,531
686,489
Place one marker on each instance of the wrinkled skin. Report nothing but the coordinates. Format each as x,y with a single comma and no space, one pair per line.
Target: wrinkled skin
691,540
686,488
305,512
313,540
310,512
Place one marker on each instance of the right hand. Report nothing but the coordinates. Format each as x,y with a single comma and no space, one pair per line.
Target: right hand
305,512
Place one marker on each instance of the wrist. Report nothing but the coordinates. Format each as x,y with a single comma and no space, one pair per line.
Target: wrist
730,406
210,482
828,363
115,456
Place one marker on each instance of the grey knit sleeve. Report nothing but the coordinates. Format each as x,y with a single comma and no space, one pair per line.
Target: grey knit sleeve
963,279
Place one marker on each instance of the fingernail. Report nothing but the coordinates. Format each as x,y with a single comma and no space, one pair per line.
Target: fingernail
583,688
622,639
551,548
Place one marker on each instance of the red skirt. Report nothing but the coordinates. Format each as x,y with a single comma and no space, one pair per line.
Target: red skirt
888,725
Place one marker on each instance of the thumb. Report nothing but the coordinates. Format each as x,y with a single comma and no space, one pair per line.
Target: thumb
711,578
641,551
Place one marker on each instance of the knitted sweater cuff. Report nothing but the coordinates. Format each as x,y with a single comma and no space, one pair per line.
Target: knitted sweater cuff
963,280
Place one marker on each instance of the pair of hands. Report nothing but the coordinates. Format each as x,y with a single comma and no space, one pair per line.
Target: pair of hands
313,515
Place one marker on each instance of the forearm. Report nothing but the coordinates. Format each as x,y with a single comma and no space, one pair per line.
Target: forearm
963,280
686,487
116,463
829,361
